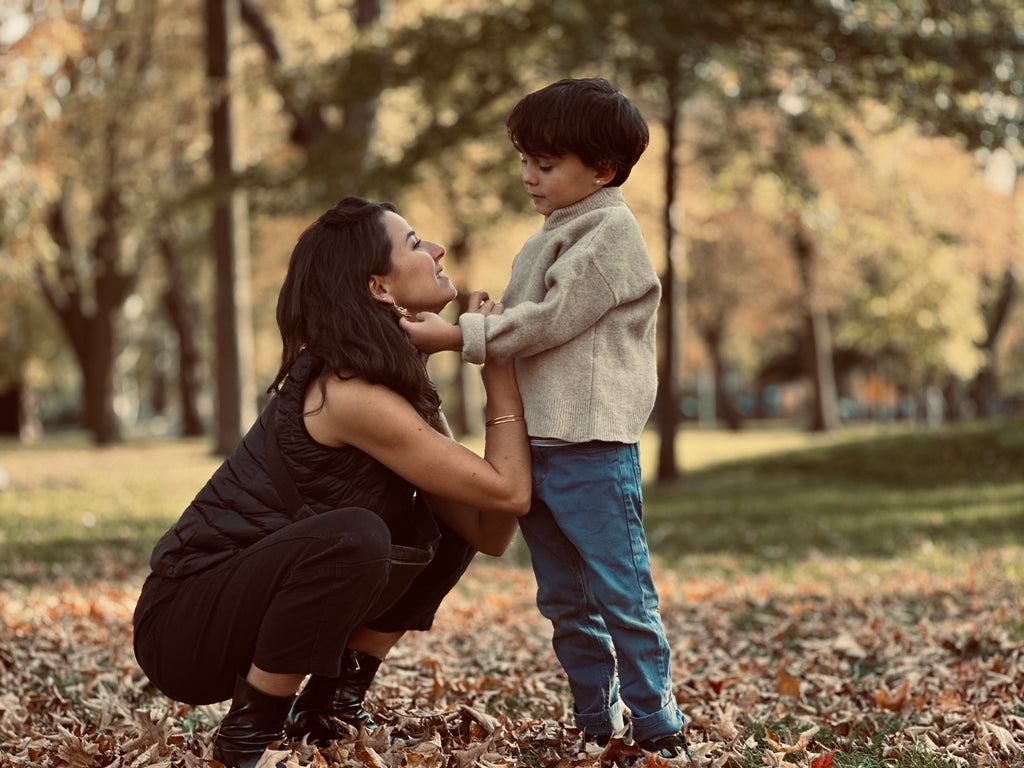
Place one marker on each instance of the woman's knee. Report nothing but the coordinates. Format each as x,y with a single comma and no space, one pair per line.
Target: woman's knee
357,529
351,536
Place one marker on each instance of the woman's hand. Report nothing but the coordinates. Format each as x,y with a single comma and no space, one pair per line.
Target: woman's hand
429,333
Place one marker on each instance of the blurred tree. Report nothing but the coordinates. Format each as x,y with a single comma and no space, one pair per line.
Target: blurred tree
93,88
351,98
404,86
919,227
75,105
236,391
26,328
183,314
808,61
955,69
741,282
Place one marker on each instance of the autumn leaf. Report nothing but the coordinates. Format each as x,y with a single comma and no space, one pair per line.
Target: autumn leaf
621,752
893,701
787,685
76,753
481,691
271,757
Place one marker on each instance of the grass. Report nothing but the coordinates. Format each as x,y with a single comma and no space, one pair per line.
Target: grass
69,506
761,501
930,498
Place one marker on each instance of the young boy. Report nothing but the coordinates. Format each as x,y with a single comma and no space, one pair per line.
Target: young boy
578,316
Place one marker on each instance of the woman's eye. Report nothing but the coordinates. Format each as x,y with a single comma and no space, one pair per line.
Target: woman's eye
417,244
544,168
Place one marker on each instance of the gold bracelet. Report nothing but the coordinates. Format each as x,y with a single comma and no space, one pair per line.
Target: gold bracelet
503,420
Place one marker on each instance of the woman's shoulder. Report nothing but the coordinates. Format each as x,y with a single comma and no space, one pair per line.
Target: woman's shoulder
342,410
350,391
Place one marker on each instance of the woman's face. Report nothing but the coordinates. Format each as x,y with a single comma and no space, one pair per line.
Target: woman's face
416,280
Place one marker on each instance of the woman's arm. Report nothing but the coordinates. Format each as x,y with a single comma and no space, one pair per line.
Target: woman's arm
489,532
380,422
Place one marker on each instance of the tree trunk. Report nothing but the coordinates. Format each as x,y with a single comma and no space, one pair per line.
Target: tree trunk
235,387
181,312
725,408
309,128
668,399
820,369
985,386
90,323
359,118
462,410
97,364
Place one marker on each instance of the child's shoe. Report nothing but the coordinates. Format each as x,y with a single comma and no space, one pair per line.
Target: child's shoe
668,747
601,740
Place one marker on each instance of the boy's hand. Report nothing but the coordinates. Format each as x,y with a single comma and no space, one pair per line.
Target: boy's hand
429,333
480,303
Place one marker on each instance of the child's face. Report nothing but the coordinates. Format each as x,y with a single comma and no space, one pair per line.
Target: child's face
557,182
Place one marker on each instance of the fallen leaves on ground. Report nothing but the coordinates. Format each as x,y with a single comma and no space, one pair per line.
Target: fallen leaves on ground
794,676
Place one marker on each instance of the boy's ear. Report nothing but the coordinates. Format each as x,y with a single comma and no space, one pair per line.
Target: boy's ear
605,173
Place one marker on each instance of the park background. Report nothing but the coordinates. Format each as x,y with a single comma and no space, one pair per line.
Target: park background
835,464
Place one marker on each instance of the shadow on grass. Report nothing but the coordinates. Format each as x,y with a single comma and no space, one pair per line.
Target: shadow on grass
959,488
77,559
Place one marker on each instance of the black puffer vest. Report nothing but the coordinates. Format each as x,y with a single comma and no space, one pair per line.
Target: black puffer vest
239,505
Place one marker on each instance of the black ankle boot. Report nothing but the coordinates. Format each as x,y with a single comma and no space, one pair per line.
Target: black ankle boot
310,715
356,676
254,720
340,697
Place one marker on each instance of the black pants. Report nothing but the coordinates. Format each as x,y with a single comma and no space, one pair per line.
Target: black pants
288,604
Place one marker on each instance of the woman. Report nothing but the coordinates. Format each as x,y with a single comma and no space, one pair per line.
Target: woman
345,514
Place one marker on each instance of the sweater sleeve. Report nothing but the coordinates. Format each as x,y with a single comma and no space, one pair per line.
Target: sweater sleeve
592,276
473,345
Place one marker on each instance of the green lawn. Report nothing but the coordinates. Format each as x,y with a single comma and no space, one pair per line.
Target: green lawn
929,497
69,505
751,501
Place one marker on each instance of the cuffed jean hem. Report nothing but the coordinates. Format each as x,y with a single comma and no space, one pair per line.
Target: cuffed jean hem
601,723
664,722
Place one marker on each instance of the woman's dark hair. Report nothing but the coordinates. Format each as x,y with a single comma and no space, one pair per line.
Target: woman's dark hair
588,117
325,305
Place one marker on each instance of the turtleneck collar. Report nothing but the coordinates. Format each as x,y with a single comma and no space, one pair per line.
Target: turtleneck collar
602,198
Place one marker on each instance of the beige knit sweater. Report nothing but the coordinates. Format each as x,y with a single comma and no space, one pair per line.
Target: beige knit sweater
580,322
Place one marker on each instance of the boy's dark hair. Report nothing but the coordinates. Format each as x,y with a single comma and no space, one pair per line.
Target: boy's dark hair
588,117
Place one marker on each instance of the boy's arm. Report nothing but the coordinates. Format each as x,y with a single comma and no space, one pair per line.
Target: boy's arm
605,268
474,341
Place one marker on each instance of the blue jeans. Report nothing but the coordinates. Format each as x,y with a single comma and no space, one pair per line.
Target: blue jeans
586,539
